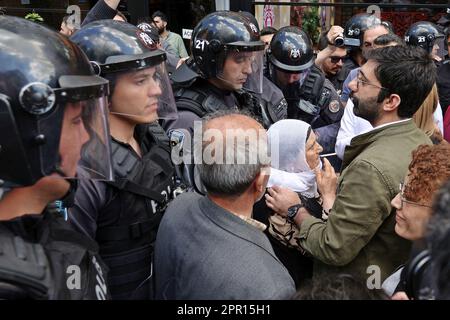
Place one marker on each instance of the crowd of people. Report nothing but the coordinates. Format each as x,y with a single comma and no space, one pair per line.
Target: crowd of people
257,167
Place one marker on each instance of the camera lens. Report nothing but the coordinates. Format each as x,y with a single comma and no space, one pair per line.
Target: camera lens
339,41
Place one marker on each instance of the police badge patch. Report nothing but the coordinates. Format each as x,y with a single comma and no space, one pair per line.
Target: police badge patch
295,54
334,106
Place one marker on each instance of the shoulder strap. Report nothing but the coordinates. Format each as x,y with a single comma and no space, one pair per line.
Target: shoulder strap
130,186
312,85
124,161
190,100
159,136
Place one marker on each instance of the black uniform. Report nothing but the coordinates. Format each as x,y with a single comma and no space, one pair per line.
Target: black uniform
35,262
312,99
198,97
216,37
317,103
41,256
123,216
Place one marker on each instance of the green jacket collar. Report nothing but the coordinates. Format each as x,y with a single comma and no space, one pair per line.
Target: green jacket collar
361,142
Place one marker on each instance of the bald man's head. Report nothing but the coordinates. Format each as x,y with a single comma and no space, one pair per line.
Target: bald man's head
234,151
231,121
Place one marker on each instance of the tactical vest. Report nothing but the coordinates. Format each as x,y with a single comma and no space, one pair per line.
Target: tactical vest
316,101
41,257
142,190
200,99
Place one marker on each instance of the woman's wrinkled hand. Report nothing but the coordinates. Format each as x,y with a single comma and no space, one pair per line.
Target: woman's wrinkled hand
326,179
280,199
326,184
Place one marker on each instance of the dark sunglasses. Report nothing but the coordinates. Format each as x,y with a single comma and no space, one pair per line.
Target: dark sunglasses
336,59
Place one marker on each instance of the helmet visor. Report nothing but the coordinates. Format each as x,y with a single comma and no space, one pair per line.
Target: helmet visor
84,140
243,69
288,80
439,47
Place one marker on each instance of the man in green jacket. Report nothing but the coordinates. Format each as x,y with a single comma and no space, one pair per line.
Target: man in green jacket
359,236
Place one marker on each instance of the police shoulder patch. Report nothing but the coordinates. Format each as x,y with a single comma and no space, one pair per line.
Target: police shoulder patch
334,106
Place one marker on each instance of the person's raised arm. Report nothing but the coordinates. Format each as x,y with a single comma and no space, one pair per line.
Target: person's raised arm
103,9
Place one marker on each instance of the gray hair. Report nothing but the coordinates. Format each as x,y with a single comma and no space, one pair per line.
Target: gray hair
225,177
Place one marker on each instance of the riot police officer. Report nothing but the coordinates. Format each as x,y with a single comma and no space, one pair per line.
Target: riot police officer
228,57
353,37
310,96
426,35
123,216
52,109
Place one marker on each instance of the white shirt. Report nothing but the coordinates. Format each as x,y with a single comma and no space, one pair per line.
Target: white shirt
352,125
439,118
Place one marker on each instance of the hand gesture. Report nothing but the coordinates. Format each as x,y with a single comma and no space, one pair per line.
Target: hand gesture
280,199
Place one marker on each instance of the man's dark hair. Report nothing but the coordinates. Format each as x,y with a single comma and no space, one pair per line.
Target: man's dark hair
323,41
385,39
268,30
407,71
147,19
160,14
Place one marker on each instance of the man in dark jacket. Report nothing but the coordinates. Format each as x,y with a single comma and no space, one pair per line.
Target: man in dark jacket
209,247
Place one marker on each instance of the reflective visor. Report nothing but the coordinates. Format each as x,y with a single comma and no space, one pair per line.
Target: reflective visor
243,69
84,133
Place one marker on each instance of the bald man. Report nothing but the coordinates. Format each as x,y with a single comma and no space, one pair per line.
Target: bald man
209,247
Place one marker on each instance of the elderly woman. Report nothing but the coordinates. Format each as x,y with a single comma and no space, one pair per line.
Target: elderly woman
295,164
427,172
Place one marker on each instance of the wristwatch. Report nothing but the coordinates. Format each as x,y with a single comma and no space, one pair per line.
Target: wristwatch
292,212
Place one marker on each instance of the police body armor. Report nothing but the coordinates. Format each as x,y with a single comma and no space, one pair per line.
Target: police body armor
142,189
317,103
200,98
35,262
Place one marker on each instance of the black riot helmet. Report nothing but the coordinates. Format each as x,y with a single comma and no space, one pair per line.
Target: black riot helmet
356,26
116,47
50,99
224,33
423,34
291,50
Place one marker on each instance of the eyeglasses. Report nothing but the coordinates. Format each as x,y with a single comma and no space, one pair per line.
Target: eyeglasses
402,198
366,83
336,59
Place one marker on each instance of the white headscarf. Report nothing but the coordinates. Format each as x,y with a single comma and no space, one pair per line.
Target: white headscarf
287,140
